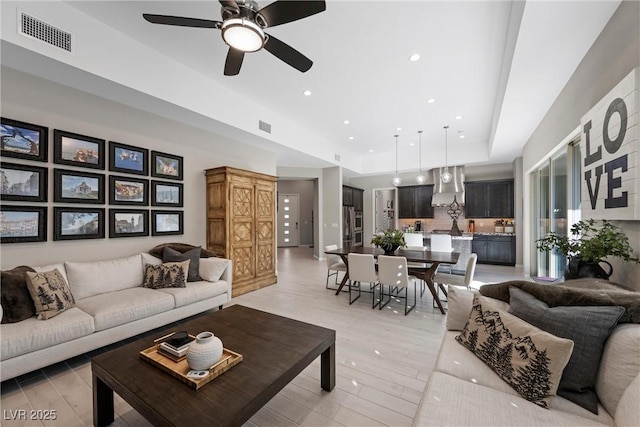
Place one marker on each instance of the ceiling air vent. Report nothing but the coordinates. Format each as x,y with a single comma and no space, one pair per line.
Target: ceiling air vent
264,126
33,27
336,156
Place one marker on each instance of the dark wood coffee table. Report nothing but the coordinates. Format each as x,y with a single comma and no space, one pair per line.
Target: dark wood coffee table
275,349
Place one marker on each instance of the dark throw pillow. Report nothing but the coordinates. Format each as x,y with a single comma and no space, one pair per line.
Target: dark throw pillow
168,275
157,250
17,304
193,256
587,326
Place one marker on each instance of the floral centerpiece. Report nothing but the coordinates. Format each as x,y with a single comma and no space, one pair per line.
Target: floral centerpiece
587,246
389,240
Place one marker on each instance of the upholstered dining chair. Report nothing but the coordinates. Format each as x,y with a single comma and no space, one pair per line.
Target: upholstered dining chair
362,269
442,243
334,265
441,279
393,272
413,239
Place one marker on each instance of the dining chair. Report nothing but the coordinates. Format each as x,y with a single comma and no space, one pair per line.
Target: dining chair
413,239
334,264
442,243
441,279
362,269
393,272
422,266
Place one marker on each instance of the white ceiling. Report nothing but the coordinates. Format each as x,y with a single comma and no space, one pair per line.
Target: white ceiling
498,64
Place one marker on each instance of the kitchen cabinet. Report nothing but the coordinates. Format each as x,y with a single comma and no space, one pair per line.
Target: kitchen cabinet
414,201
352,196
498,250
241,219
489,199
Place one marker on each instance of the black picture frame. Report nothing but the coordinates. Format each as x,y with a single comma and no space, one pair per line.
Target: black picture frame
125,158
167,166
23,224
73,149
18,182
70,223
164,223
70,186
35,136
124,190
164,193
128,223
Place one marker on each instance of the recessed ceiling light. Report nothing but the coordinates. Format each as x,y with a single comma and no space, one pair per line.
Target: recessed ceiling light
307,92
461,136
458,117
431,100
371,150
351,138
414,57
346,122
412,144
398,129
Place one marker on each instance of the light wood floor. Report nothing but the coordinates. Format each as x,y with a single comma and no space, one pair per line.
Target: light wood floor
383,359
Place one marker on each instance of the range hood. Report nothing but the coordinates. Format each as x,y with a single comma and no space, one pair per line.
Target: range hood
443,194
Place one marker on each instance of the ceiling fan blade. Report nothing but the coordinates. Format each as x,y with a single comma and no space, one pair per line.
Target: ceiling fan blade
234,62
181,21
288,54
281,12
229,3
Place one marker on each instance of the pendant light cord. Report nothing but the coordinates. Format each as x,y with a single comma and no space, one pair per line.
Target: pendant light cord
396,154
420,151
446,148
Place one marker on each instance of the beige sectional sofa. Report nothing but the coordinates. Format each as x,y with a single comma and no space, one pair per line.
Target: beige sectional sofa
110,305
463,391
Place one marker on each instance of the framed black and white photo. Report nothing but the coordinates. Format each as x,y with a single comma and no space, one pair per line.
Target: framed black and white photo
23,183
166,194
128,191
78,150
78,187
78,223
24,140
128,159
128,223
21,224
166,166
166,223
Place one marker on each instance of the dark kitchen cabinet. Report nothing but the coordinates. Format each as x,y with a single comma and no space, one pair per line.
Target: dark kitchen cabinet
352,196
347,196
489,199
415,201
498,250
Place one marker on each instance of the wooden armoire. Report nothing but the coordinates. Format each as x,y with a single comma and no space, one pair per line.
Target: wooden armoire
241,224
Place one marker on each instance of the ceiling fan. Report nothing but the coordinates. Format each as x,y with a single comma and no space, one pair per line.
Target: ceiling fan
243,26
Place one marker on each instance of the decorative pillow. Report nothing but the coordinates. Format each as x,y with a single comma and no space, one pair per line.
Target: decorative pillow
157,251
459,307
17,304
212,268
587,326
527,358
50,292
150,259
193,255
167,275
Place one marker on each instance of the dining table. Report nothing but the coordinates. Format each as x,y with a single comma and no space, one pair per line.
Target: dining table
434,258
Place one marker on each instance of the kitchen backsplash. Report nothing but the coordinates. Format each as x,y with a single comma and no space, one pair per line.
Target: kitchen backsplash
442,221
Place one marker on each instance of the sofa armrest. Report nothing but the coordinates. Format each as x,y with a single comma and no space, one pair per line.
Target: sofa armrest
227,276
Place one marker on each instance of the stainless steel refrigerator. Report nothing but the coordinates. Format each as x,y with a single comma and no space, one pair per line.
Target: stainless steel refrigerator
351,227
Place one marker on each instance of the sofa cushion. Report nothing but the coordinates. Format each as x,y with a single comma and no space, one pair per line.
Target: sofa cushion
149,259
167,275
450,401
528,358
587,326
50,293
87,279
16,301
193,256
211,269
120,307
33,334
620,364
195,291
628,410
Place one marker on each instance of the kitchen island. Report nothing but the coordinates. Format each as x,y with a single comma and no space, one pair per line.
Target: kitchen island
461,244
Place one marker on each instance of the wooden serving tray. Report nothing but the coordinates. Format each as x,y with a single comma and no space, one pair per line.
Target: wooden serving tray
180,369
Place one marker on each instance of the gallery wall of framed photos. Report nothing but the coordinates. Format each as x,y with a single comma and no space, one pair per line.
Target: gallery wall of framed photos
100,188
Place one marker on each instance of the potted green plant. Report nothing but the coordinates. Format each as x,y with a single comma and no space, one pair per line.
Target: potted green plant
389,240
588,244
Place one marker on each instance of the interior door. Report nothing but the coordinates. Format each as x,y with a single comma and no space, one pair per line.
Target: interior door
288,220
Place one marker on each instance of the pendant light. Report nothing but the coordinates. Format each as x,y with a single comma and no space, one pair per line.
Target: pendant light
396,179
446,175
420,179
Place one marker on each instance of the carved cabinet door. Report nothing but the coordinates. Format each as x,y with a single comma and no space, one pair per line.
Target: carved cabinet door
242,232
265,228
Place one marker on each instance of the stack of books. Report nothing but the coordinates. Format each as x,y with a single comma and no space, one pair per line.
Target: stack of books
172,352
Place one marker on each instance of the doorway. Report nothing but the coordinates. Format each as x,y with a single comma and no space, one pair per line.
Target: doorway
288,220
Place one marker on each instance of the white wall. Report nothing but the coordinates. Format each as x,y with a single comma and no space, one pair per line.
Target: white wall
332,206
613,55
33,100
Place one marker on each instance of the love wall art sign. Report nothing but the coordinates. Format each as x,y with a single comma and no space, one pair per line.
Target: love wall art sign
611,154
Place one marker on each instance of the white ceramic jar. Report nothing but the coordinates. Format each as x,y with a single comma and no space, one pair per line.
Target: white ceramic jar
204,352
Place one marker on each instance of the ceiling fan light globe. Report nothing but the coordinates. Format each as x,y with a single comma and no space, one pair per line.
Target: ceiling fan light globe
243,35
396,181
446,176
